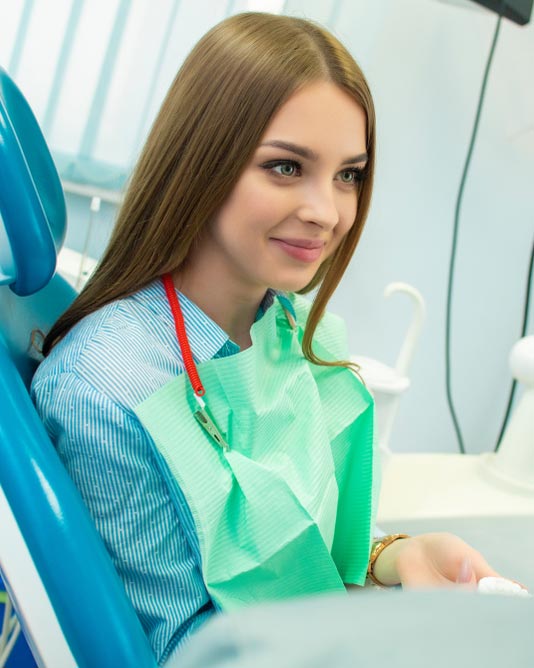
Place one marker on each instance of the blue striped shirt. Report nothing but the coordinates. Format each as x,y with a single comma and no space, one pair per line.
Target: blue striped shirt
85,392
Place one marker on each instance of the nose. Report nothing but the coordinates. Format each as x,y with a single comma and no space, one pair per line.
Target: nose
318,205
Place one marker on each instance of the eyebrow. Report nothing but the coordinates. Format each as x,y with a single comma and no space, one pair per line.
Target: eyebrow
307,153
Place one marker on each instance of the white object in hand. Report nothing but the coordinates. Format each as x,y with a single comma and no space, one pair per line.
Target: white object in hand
493,585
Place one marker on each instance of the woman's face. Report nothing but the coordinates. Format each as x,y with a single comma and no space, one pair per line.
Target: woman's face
297,198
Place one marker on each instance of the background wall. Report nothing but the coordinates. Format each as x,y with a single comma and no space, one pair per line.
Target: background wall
425,61
96,93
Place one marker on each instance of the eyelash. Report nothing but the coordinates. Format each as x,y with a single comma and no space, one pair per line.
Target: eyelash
359,173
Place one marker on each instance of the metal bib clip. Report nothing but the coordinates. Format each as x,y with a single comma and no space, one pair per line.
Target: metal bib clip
209,425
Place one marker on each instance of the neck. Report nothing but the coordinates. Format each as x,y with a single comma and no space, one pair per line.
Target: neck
228,304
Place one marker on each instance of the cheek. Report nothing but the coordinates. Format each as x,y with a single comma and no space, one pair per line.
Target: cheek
250,203
347,217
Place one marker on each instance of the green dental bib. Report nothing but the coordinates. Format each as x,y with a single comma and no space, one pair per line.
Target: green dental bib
288,510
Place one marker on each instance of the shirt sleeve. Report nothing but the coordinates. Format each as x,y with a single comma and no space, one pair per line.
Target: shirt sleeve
141,514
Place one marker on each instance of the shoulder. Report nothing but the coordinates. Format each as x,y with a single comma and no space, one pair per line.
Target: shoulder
126,350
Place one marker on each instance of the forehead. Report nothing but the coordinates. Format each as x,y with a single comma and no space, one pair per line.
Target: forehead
321,116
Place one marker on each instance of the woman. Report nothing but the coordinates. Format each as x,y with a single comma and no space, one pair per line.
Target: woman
243,469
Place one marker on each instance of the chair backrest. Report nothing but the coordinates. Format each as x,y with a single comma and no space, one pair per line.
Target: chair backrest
86,594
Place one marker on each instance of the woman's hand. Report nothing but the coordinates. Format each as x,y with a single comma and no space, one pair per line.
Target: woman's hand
431,560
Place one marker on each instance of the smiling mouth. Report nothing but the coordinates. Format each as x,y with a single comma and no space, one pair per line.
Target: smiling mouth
303,243
303,250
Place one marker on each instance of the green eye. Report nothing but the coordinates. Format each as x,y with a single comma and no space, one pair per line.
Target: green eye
284,168
347,176
287,169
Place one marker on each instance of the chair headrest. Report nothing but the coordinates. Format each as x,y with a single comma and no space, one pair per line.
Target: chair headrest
32,205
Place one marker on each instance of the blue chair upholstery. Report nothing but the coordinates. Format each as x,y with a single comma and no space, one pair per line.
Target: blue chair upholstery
88,598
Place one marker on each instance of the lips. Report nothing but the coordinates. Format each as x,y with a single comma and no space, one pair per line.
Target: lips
303,243
304,250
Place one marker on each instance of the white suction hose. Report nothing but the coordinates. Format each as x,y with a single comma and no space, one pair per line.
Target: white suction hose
406,354
388,384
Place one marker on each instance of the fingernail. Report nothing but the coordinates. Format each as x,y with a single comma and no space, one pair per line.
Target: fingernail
466,571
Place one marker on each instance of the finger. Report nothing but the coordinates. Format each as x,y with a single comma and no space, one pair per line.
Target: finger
483,570
466,574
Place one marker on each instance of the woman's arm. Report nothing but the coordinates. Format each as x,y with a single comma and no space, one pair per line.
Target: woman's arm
146,527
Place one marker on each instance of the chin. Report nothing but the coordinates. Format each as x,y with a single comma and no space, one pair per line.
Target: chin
291,285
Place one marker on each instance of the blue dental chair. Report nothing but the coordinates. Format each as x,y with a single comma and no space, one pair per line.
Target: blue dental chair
71,604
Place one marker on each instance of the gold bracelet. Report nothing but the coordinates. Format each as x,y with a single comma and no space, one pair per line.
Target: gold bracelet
378,546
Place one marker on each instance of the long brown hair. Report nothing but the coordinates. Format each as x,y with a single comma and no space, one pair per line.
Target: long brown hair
215,113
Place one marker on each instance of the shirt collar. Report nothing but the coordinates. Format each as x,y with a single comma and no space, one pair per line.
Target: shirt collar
206,337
